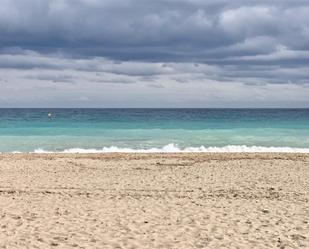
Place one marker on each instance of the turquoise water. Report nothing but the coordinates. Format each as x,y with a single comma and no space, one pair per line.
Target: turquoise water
29,130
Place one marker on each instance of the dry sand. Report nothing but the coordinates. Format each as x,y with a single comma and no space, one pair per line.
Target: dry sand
154,201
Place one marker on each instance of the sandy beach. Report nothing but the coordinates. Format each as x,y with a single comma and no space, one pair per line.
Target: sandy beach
154,201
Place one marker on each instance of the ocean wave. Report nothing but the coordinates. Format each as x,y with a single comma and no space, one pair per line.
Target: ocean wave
172,148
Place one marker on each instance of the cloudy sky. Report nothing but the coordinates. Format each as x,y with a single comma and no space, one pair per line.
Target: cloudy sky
154,53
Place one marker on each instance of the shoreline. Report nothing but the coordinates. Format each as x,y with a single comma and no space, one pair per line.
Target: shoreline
150,154
156,153
156,200
173,148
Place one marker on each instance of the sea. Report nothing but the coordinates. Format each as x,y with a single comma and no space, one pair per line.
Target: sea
153,130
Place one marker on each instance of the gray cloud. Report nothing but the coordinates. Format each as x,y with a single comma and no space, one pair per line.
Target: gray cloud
56,78
159,30
156,86
170,44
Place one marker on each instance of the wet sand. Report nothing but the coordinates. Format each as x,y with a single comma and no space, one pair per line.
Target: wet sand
154,201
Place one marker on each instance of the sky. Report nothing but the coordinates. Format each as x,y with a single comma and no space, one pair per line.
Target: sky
146,53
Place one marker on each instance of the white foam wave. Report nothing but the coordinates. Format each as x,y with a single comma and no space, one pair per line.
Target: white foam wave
172,148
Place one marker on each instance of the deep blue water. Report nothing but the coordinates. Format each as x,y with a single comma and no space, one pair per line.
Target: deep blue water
32,129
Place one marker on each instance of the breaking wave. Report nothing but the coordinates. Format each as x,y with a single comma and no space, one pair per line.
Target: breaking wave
172,148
